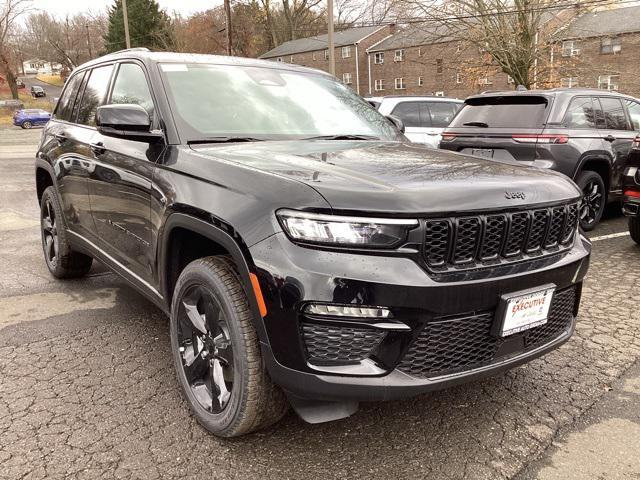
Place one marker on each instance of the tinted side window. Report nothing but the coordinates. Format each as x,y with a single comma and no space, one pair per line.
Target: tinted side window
130,87
94,94
442,113
580,114
634,113
65,104
614,115
409,113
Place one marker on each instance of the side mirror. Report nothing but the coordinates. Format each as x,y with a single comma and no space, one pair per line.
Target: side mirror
126,121
396,122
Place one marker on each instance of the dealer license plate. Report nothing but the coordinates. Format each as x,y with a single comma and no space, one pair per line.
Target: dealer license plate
524,310
482,152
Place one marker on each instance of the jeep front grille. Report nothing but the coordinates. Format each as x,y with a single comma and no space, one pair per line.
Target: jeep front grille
469,242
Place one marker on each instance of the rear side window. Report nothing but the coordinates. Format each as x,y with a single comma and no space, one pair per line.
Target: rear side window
634,113
614,114
442,113
65,104
410,114
580,114
131,87
526,111
94,94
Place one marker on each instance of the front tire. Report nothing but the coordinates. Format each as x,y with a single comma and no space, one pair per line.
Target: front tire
27,125
216,352
594,199
62,261
634,229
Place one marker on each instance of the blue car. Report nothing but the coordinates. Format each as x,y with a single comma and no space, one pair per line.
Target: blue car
30,117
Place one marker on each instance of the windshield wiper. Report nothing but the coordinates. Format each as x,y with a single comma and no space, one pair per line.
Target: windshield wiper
476,124
343,137
224,140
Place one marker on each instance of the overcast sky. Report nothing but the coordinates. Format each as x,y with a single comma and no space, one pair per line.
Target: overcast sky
61,8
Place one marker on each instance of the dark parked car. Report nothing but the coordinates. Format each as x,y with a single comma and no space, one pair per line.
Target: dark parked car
585,134
37,91
305,252
20,83
30,117
631,195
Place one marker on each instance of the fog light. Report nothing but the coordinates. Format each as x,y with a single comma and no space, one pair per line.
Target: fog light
348,311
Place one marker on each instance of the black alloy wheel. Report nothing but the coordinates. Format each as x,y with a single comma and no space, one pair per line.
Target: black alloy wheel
50,241
593,199
206,349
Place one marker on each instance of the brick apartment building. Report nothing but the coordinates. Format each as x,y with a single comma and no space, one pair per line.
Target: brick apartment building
600,50
350,53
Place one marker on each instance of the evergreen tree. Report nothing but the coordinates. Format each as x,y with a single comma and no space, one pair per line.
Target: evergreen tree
148,26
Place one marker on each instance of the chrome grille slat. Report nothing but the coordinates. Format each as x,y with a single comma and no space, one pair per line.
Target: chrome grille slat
478,241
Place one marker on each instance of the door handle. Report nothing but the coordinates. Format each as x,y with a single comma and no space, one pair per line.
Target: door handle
97,148
610,138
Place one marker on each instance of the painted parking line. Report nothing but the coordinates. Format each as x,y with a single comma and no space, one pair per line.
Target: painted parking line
611,235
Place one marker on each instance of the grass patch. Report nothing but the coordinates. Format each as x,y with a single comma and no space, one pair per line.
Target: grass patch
51,80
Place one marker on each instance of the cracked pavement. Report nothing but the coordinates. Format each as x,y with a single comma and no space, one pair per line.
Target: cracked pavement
87,387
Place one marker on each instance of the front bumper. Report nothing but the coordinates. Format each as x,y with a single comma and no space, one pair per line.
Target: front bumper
401,360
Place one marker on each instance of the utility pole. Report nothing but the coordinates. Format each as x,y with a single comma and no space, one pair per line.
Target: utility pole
332,58
86,26
125,15
227,14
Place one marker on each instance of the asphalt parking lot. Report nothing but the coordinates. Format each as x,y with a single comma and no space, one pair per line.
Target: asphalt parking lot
87,388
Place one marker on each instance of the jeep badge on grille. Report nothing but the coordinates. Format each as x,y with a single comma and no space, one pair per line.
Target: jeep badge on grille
515,195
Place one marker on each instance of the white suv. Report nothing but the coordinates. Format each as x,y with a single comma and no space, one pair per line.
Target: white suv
424,118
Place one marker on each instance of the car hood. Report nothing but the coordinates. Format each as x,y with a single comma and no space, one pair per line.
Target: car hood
399,177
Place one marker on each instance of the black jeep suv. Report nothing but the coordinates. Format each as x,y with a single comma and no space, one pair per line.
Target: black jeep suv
306,253
631,195
584,133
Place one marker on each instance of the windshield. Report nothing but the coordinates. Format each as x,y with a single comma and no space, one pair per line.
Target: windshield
210,101
526,111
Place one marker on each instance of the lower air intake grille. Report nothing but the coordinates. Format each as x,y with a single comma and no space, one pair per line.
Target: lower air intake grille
328,343
457,344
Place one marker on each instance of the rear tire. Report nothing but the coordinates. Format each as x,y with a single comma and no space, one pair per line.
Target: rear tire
594,199
62,261
216,352
634,229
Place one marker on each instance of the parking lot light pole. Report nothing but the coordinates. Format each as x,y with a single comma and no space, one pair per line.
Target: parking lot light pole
332,59
126,24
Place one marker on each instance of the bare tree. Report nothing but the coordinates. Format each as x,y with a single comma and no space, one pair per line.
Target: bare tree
9,13
513,33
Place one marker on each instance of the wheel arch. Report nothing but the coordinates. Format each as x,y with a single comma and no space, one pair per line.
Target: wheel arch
44,178
599,165
185,230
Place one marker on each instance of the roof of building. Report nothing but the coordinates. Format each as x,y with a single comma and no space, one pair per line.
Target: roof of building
349,36
415,35
604,22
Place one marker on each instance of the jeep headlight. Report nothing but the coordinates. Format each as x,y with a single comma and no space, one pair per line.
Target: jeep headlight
338,230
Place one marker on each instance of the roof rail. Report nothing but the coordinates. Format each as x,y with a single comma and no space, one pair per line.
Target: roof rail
134,49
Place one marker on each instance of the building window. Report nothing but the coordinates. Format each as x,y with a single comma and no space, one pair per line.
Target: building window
346,78
398,55
420,82
313,55
569,82
379,85
608,82
484,81
419,52
510,79
458,48
610,45
399,83
346,52
439,94
279,59
291,59
326,54
378,58
458,78
569,48
439,67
